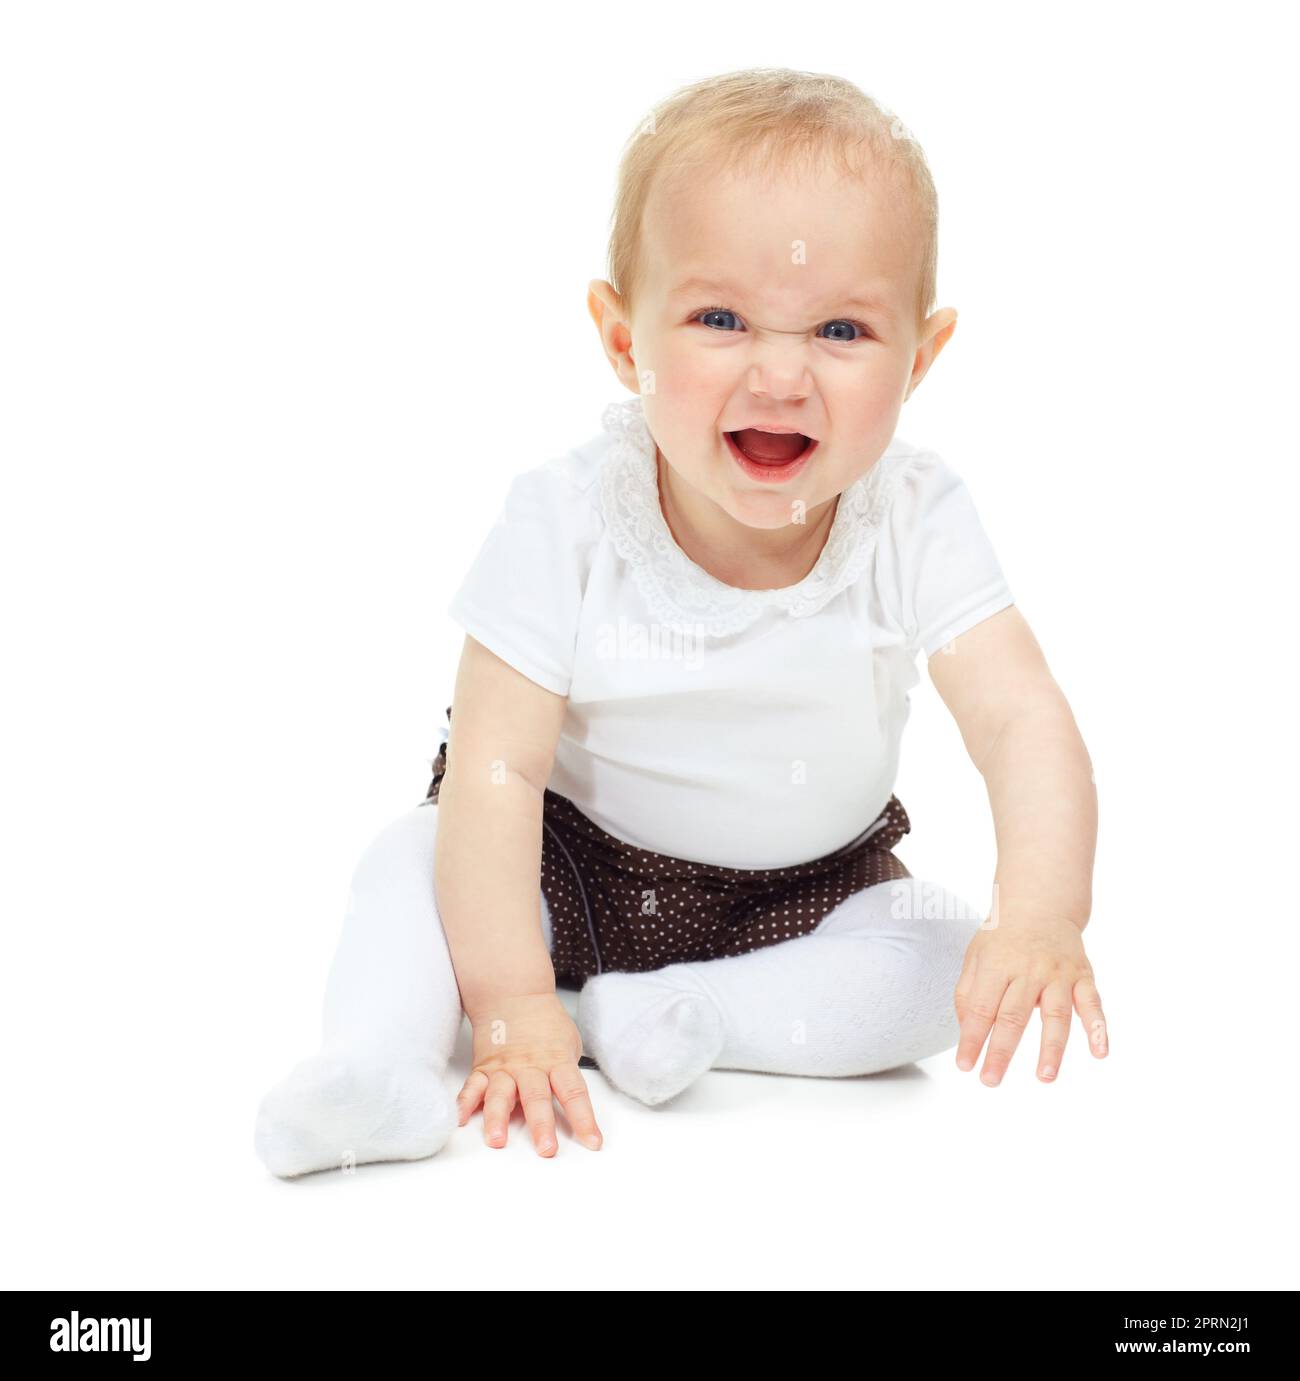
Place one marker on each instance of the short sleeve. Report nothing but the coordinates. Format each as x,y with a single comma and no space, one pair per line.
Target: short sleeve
944,573
522,597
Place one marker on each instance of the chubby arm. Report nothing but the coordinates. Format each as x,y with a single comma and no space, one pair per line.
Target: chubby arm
488,848
1022,736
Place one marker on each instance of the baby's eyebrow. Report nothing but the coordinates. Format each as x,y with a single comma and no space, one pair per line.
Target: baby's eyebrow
725,290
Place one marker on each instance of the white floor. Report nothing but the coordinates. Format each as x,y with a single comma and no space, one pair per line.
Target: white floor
155,985
1149,1168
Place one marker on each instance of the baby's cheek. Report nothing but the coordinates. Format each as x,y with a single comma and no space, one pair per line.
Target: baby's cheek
876,412
681,407
689,384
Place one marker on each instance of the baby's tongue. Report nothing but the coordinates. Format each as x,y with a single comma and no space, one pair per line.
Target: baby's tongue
771,448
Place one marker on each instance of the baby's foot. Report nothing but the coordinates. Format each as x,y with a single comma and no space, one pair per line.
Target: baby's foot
337,1110
652,1034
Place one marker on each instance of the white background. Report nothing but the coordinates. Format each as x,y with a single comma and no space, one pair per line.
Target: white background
288,293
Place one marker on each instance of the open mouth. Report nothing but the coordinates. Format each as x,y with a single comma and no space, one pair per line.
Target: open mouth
770,456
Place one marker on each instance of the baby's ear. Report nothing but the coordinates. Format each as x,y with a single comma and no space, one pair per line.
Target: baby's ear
944,334
601,298
935,333
606,310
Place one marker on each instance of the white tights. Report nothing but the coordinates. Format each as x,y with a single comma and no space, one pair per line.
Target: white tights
870,989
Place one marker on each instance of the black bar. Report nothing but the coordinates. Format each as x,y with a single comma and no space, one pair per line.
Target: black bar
364,1327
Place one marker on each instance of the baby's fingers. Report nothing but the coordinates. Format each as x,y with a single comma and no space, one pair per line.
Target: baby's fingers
1087,1002
571,1089
470,1095
539,1109
978,998
1056,1011
1014,1013
497,1107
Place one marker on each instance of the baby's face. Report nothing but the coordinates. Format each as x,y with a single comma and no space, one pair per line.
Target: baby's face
784,304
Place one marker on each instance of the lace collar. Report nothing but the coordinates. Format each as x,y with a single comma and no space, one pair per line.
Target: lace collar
681,593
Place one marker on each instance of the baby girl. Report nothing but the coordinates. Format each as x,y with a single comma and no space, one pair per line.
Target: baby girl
668,779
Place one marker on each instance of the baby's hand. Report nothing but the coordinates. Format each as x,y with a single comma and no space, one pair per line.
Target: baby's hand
527,1048
1012,968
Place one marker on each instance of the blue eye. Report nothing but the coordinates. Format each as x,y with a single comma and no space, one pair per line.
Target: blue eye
715,311
863,332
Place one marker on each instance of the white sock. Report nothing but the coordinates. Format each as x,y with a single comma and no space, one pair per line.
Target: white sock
870,989
651,1034
376,1090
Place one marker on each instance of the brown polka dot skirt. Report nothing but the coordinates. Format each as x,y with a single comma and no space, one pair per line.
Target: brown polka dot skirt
615,907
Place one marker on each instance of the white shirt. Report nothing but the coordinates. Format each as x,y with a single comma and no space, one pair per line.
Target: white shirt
744,728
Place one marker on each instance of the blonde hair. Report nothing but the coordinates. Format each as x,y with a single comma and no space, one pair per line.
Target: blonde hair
767,118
